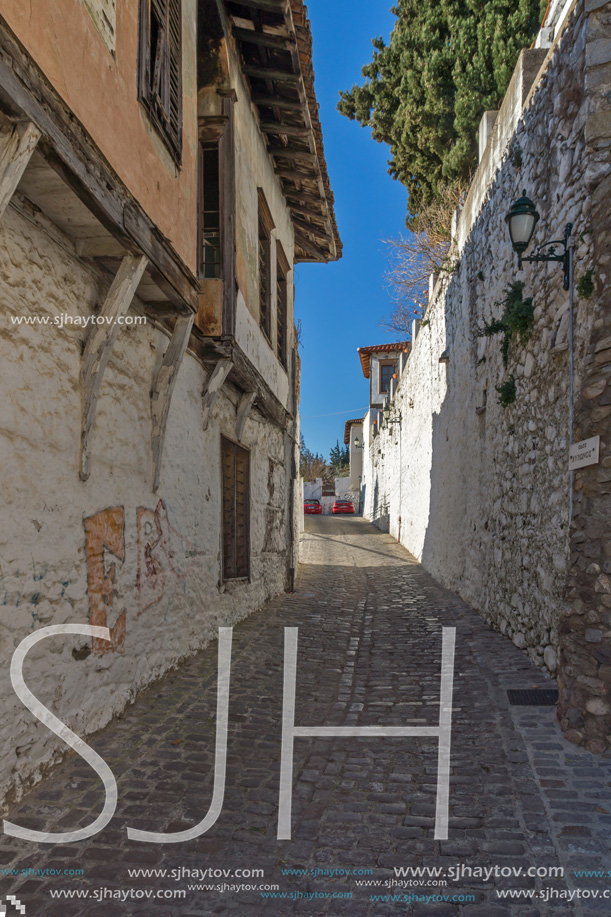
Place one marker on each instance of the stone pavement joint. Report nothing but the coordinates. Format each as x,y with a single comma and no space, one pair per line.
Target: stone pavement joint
369,651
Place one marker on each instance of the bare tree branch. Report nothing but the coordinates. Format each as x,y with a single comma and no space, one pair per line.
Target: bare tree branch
413,258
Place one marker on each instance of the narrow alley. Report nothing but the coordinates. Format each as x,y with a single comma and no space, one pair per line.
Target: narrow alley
370,625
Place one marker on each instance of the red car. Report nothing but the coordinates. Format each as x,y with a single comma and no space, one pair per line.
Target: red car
343,506
312,506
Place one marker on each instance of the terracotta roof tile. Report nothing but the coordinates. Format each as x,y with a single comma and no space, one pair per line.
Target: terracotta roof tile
347,426
395,347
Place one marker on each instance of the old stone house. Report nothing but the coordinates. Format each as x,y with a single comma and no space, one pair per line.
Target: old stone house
353,438
161,172
470,470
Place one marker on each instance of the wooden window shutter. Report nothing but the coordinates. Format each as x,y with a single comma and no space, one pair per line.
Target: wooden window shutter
235,472
160,69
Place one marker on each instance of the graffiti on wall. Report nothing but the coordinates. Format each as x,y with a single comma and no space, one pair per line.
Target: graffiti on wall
161,554
162,557
105,532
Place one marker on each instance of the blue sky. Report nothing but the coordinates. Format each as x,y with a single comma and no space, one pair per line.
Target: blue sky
342,304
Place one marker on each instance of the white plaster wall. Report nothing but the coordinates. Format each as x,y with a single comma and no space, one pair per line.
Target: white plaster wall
255,345
171,594
356,455
479,493
254,170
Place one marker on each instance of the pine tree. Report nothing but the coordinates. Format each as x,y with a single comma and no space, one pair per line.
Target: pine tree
447,62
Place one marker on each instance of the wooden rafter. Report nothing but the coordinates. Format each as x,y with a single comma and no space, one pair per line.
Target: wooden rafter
269,101
268,6
277,42
287,152
282,76
287,130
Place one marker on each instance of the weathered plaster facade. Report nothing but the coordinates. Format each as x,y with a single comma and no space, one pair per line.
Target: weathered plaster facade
481,493
116,498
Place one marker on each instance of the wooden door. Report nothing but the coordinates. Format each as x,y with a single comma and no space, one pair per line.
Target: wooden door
235,470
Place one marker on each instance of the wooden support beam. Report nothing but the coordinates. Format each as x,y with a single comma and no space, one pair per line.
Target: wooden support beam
287,130
276,102
163,388
265,73
16,148
99,345
212,389
246,402
263,38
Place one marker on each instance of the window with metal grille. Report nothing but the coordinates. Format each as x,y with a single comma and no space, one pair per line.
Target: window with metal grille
282,269
235,471
387,370
265,279
210,210
160,69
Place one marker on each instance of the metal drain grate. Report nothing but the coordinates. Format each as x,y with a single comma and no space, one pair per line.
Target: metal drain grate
545,697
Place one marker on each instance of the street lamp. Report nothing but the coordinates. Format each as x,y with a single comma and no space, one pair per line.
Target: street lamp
386,413
356,443
521,221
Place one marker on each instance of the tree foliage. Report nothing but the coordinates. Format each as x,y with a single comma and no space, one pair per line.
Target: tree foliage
312,465
424,93
339,460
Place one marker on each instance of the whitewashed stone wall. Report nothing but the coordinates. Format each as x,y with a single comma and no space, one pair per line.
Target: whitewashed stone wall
480,493
164,548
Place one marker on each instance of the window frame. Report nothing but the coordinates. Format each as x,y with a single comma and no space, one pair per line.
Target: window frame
384,364
282,305
212,142
171,136
264,263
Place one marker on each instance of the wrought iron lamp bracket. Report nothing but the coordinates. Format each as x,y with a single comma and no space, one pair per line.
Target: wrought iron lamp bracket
547,252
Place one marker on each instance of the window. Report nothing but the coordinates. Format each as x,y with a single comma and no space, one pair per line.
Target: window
265,279
210,211
387,371
282,269
235,471
160,69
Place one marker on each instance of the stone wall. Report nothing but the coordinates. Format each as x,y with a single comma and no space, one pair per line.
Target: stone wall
480,493
149,562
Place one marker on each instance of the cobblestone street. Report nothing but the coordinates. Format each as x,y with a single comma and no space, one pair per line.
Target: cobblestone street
370,627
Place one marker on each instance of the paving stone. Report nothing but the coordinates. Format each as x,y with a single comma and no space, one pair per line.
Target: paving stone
369,620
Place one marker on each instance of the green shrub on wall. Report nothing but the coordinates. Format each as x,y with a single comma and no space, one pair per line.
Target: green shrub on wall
517,320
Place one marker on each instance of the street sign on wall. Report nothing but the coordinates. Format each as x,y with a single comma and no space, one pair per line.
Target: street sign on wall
584,453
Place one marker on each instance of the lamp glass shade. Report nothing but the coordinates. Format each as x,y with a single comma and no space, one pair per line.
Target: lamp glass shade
521,221
356,441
